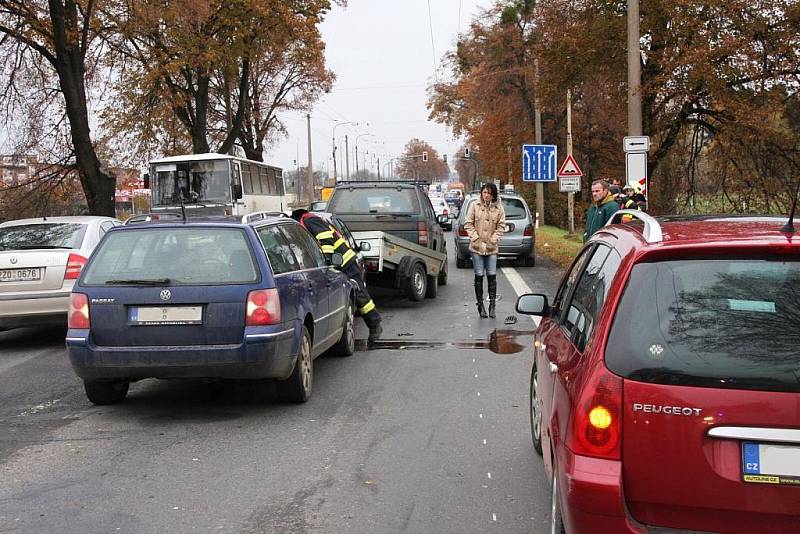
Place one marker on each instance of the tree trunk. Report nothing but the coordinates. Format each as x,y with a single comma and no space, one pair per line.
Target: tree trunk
98,186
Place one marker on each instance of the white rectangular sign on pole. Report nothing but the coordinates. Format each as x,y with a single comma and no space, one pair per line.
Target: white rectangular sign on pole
569,184
636,169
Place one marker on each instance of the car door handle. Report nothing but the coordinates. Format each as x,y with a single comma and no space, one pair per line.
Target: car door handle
553,367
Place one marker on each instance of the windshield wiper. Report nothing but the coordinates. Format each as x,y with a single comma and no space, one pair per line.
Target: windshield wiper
152,282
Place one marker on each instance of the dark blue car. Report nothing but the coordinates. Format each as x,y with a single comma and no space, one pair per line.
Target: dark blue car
207,299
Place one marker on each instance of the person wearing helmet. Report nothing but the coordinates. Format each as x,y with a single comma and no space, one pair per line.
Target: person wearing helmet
330,241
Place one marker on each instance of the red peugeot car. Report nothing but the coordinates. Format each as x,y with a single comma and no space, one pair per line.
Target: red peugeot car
665,390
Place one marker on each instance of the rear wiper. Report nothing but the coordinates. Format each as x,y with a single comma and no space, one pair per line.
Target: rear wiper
152,282
394,215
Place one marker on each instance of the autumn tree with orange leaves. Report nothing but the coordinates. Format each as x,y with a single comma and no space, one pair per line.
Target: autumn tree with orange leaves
719,84
412,167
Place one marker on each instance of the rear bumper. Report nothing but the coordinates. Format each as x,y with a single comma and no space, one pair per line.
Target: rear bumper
262,354
526,248
36,309
592,495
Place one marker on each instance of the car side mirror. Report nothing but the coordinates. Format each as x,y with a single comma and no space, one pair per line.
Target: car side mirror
532,304
237,191
365,246
337,260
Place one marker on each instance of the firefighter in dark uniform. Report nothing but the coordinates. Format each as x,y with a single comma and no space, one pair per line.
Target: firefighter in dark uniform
331,241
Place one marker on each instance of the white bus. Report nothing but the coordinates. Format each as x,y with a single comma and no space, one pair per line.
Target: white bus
215,184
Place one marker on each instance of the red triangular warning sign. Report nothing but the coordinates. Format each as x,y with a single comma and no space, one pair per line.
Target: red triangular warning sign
570,168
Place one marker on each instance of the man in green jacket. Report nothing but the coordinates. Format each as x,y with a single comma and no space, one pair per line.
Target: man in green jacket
601,210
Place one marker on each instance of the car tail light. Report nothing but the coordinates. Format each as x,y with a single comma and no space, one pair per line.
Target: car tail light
263,307
462,232
75,263
423,233
596,428
528,231
78,314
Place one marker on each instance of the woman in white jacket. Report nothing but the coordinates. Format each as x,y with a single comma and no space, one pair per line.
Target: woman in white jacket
485,223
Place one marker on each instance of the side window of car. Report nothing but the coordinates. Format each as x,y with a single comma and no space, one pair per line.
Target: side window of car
278,251
569,282
590,294
304,246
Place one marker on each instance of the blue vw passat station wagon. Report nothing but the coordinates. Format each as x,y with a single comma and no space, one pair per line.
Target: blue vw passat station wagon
207,299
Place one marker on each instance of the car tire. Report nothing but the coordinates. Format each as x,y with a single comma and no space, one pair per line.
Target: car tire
346,345
530,261
432,287
443,275
297,388
556,519
535,408
416,284
106,392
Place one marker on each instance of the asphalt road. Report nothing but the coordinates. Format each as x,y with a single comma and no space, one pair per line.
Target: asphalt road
427,431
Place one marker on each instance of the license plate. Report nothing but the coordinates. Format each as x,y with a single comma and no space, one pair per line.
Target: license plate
769,463
165,315
20,275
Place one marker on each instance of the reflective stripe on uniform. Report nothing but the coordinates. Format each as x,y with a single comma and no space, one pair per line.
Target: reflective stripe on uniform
347,256
327,249
339,242
327,234
366,308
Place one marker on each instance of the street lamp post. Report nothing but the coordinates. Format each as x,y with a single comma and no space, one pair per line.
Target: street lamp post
359,136
333,141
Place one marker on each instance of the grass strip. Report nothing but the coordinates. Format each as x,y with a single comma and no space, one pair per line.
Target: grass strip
557,244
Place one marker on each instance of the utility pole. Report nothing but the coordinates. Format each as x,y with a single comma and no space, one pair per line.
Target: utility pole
508,164
570,195
538,128
310,170
634,71
347,156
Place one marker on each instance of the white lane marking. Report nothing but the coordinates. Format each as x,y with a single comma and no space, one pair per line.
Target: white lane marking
480,415
473,360
476,375
479,393
484,442
489,475
519,286
494,516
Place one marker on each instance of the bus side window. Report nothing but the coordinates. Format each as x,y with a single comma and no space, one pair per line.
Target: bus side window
247,182
265,185
278,176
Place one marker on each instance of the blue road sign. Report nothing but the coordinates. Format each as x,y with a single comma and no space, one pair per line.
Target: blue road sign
539,163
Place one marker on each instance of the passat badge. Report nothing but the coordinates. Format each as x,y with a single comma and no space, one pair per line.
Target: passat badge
165,294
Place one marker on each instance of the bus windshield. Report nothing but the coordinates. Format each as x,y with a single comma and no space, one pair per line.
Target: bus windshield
198,182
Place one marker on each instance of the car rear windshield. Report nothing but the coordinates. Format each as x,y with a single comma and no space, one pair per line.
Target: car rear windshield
722,323
374,200
184,256
42,236
514,208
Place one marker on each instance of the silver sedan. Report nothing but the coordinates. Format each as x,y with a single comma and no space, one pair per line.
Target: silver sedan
40,259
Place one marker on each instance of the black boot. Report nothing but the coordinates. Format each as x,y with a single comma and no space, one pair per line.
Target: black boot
492,278
479,295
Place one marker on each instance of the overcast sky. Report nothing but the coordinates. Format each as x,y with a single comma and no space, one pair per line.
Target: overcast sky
383,58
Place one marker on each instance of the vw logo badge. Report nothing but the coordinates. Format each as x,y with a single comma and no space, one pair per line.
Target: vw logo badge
165,294
13,260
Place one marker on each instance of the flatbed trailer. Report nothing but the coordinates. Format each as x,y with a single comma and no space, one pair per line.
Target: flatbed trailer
402,264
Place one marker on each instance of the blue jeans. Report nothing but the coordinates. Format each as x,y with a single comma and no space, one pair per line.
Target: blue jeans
484,264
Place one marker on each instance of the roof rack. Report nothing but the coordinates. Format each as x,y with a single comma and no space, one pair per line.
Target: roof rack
413,182
652,230
154,216
261,215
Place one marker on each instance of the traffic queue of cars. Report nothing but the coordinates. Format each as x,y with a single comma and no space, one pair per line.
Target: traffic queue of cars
665,385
